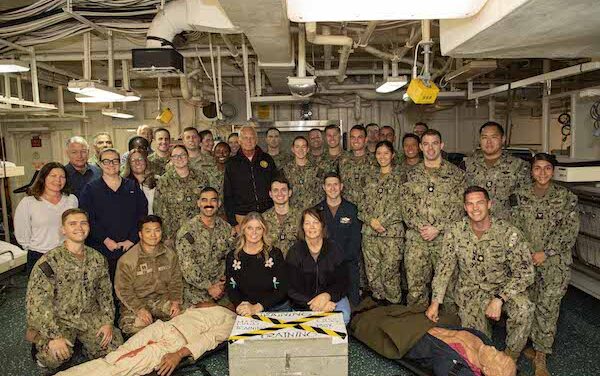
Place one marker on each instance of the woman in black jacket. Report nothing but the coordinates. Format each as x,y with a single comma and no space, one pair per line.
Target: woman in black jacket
318,276
256,271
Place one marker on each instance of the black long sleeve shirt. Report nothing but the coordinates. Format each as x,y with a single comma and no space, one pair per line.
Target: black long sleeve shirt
253,279
310,277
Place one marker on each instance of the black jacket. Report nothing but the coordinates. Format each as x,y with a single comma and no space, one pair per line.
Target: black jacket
344,228
309,278
246,184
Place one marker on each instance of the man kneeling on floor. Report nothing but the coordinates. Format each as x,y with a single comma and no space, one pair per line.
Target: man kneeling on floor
148,280
162,345
69,297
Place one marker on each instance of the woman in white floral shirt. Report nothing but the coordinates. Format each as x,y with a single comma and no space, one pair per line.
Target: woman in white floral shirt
256,271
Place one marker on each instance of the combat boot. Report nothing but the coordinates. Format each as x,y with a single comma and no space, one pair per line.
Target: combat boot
540,364
529,353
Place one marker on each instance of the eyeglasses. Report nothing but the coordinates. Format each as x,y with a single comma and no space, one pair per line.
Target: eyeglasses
108,162
178,156
137,160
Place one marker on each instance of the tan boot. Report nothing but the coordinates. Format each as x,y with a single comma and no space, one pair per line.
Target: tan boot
540,364
529,353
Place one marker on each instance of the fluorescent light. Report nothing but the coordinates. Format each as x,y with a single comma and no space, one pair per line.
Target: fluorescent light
113,112
130,96
380,10
13,66
95,89
391,84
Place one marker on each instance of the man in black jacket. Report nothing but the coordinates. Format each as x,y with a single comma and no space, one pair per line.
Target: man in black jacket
343,227
247,179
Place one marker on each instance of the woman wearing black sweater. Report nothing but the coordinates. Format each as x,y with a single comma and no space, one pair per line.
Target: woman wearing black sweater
316,269
255,271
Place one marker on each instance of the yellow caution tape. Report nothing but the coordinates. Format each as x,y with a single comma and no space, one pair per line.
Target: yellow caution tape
296,324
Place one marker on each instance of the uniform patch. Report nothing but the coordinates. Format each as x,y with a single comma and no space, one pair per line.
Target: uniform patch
47,269
345,220
264,164
189,238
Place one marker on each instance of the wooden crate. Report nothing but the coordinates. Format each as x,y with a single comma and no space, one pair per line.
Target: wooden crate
289,344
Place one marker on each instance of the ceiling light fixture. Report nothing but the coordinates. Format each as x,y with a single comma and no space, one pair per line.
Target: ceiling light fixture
113,112
95,89
13,66
129,96
391,84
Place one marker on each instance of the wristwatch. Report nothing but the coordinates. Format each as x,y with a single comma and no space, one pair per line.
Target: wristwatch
498,296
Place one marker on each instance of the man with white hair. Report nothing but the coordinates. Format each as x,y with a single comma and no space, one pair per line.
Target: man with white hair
102,140
79,171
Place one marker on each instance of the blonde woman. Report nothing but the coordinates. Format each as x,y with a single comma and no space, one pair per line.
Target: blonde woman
255,271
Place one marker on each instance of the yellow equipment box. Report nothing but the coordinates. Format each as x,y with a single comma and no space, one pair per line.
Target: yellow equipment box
422,93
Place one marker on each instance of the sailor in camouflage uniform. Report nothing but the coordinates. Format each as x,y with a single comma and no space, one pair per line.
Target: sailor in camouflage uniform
493,262
69,297
496,170
176,194
202,244
273,139
303,175
330,157
356,166
411,157
383,230
159,159
547,215
431,202
283,219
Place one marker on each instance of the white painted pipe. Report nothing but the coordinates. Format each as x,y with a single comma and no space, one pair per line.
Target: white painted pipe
246,79
119,55
301,52
335,40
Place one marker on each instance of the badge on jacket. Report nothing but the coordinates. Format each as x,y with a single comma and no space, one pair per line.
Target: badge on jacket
345,220
264,164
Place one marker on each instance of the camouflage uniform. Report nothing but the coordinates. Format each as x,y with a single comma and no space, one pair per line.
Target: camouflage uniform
157,164
382,253
93,160
202,254
500,180
305,184
431,196
329,163
355,172
147,280
551,224
402,167
282,159
283,235
497,263
72,299
175,199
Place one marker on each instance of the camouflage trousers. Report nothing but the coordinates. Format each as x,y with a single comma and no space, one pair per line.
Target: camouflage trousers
550,286
519,309
84,330
382,257
420,258
158,307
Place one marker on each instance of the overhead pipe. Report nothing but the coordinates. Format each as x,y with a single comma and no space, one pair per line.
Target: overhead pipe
426,43
119,55
301,52
246,79
336,40
327,48
235,54
388,56
355,72
214,77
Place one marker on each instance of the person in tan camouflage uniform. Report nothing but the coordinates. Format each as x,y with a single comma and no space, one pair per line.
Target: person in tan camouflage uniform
356,166
273,138
431,202
412,157
496,170
547,214
69,297
303,175
202,244
493,262
176,192
148,280
283,219
159,159
383,230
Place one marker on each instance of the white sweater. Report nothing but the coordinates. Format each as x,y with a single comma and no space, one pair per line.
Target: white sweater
38,222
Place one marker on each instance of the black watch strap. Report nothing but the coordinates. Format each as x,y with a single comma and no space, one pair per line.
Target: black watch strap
498,296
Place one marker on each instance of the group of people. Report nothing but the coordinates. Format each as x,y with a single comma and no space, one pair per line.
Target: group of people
186,227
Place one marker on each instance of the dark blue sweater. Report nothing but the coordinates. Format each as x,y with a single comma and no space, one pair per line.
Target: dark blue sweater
113,214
